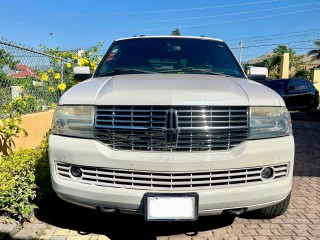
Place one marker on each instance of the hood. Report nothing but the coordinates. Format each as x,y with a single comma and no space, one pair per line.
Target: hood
169,89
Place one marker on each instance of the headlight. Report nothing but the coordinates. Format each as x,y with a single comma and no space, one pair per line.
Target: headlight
268,122
74,121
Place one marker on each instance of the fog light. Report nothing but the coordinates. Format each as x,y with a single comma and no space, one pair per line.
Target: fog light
76,171
267,173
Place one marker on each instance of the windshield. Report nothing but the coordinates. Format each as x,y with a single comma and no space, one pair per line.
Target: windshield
276,84
169,55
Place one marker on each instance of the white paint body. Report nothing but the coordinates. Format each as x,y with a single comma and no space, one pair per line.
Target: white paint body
172,90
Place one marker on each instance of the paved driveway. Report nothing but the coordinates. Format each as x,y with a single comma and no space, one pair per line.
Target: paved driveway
62,221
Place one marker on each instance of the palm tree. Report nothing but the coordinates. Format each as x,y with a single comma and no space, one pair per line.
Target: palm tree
274,61
315,52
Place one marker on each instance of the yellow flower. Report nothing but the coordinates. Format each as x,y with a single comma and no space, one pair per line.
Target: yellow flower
57,76
51,89
74,56
68,65
58,60
64,54
93,65
62,86
95,50
89,54
50,70
44,77
83,61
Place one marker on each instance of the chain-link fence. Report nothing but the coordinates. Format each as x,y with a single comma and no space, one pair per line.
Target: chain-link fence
30,80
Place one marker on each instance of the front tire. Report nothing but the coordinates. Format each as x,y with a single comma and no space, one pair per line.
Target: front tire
273,211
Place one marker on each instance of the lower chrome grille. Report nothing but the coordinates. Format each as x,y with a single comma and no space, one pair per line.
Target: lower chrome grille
146,180
171,128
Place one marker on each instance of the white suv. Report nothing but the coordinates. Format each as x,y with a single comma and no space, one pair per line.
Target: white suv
170,127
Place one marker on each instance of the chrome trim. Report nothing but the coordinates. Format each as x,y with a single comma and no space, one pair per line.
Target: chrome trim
171,128
148,180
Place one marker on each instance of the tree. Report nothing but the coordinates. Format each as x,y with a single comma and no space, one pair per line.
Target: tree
7,63
176,32
7,60
274,61
303,73
315,52
281,49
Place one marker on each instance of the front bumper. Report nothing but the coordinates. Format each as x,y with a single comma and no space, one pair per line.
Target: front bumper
84,152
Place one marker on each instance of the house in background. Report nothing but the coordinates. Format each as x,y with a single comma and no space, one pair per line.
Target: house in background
21,72
308,61
24,71
258,62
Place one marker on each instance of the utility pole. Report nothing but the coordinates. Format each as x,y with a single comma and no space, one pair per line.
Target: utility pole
240,52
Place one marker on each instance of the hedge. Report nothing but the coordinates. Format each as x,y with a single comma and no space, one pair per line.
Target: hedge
24,181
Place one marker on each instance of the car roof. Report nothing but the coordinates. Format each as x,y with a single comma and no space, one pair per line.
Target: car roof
287,79
182,37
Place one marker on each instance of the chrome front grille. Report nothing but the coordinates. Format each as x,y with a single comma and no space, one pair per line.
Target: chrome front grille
171,128
146,180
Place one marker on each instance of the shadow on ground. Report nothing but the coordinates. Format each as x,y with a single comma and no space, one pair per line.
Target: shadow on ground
307,144
85,221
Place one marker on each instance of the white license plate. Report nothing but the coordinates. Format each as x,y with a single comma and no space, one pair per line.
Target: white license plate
171,207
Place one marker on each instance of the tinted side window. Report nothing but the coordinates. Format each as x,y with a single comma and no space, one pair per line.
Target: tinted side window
309,84
298,85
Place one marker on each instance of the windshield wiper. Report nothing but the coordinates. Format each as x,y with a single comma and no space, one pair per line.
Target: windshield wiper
195,70
119,71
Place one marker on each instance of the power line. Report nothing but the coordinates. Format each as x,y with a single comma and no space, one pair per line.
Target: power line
301,36
300,18
220,15
204,17
146,12
270,35
214,23
186,26
214,16
273,44
303,48
272,39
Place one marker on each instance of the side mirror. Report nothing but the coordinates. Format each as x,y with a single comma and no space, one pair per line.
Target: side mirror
81,73
258,73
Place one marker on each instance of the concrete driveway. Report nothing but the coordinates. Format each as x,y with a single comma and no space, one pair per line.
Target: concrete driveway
58,220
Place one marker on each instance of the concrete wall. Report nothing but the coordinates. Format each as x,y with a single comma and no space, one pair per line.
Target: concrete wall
284,68
37,125
315,77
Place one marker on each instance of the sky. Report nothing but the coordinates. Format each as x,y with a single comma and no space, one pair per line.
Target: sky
259,24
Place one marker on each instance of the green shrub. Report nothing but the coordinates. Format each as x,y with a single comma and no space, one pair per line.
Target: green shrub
9,129
24,180
24,105
42,173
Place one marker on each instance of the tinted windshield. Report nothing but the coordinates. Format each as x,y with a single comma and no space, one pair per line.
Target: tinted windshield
169,54
278,84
